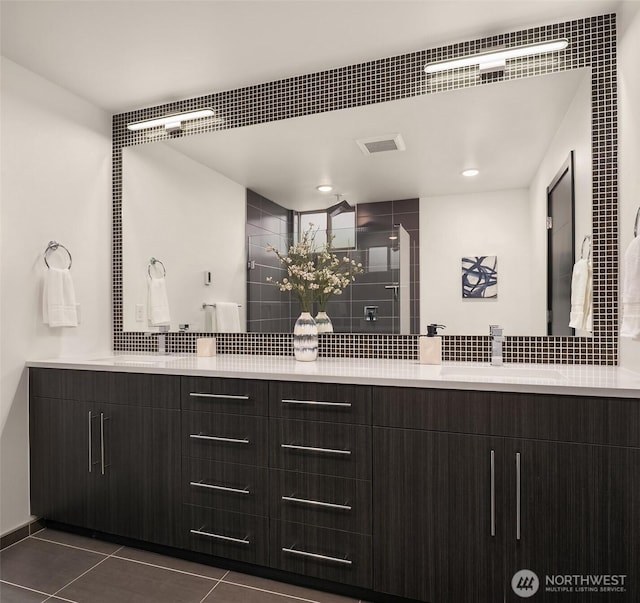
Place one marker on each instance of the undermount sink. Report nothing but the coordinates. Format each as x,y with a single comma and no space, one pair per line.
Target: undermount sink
489,371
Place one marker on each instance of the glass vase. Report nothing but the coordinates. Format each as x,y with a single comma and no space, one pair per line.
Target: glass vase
305,338
324,322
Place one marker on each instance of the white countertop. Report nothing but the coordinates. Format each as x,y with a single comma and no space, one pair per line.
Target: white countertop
527,378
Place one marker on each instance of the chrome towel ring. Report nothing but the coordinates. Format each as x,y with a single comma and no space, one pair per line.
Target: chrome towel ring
53,246
153,262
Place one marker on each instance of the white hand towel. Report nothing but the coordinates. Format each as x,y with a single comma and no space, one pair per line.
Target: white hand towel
581,316
227,317
158,302
631,291
59,299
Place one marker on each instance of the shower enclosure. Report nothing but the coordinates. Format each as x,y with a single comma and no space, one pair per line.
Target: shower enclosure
379,301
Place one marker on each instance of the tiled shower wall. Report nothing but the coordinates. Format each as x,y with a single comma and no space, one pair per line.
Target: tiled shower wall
592,43
383,216
268,311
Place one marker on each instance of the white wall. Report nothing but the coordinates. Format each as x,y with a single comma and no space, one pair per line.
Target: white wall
455,226
629,145
168,198
574,134
56,173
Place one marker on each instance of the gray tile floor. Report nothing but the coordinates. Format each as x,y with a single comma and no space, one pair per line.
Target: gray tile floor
57,566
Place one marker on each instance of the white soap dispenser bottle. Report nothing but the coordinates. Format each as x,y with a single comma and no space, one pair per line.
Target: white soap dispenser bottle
431,346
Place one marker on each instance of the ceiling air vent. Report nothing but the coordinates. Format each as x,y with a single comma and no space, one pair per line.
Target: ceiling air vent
381,144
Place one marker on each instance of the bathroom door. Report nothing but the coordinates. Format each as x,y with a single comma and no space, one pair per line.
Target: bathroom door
560,249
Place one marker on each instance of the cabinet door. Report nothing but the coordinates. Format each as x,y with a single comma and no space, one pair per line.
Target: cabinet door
437,522
63,448
138,493
574,510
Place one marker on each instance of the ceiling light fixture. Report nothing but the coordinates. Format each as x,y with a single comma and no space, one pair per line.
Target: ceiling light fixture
495,59
171,123
470,173
325,188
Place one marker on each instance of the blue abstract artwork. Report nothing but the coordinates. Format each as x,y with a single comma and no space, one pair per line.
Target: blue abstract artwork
480,277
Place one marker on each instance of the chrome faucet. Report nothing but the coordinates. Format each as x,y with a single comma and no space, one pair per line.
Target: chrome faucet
162,339
495,331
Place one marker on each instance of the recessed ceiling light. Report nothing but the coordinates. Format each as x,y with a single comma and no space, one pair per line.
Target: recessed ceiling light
470,173
325,188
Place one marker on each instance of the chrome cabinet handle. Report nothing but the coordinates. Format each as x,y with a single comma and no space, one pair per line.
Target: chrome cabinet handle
493,493
102,442
312,449
218,396
518,499
316,403
221,537
90,459
317,556
317,503
223,488
197,436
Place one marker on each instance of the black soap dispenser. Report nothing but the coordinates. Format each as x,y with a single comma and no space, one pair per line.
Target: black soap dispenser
431,345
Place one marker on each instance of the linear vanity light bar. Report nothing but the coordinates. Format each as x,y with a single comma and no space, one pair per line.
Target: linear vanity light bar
496,58
171,122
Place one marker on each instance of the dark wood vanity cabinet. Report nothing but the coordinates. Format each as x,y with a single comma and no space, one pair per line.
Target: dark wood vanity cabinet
320,478
225,477
461,505
434,495
95,458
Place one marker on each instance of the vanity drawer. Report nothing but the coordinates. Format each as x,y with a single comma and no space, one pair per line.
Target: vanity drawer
321,500
455,411
66,384
227,534
328,554
315,447
156,391
320,402
227,438
243,488
580,419
235,396
132,389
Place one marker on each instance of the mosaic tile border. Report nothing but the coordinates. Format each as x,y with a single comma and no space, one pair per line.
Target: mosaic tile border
592,43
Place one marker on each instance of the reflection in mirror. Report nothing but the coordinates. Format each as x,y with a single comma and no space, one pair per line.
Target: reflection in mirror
378,300
188,201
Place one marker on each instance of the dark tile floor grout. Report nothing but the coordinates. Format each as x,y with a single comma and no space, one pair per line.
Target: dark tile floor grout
94,567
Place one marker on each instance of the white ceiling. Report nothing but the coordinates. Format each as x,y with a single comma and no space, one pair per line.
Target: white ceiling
503,129
122,55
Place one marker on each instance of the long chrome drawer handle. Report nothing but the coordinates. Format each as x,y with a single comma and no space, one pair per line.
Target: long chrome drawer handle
312,449
196,436
218,396
317,503
221,537
518,496
90,459
316,556
493,493
315,403
223,488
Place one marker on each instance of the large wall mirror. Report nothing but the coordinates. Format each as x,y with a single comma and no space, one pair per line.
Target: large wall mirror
182,196
184,199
